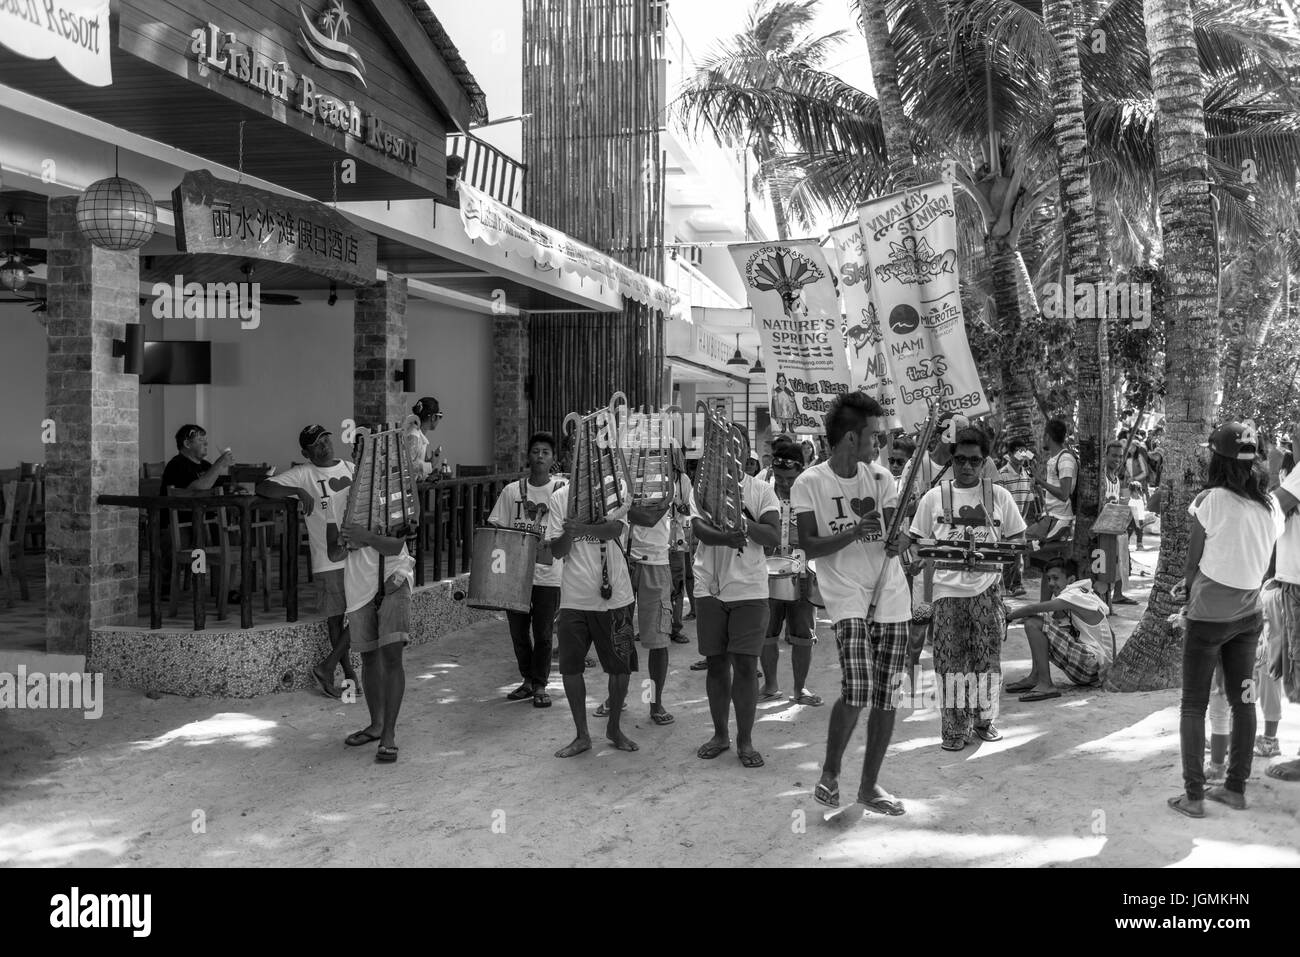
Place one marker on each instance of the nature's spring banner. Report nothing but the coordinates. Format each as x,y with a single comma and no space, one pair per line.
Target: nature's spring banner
790,289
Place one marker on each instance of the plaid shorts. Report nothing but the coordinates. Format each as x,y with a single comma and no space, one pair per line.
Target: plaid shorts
1066,650
872,661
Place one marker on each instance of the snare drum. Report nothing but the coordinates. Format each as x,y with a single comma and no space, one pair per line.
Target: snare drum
783,578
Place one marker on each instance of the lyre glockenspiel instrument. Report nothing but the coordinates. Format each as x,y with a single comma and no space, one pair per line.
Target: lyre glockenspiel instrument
382,497
721,472
649,445
598,478
969,554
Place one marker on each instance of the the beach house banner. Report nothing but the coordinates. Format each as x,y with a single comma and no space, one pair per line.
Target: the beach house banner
866,345
910,240
797,316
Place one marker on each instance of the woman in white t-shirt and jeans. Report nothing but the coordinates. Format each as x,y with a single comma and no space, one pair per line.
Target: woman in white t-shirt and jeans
1235,525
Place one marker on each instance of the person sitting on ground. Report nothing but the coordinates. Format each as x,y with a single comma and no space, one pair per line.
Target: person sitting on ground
1069,631
379,627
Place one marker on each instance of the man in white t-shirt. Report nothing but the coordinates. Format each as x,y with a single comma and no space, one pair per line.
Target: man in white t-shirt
843,506
1281,600
731,593
595,608
526,505
1069,631
652,583
1057,482
379,626
321,486
969,619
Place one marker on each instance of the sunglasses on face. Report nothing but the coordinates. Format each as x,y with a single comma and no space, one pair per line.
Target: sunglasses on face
787,464
972,460
897,461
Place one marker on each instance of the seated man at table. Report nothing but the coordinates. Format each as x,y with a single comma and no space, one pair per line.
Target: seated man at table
189,469
321,486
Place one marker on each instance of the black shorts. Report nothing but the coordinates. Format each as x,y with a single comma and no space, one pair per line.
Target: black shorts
609,631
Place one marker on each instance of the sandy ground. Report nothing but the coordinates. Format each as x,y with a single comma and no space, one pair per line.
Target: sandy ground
1078,781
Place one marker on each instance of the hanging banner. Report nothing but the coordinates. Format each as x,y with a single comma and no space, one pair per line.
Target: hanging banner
910,239
72,32
797,316
867,364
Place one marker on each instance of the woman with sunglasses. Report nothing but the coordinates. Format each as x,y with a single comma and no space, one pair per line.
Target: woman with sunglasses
1235,525
425,416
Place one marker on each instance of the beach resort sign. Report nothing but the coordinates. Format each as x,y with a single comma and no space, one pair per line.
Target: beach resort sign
72,32
324,42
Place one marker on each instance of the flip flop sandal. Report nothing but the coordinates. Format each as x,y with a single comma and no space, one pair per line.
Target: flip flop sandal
541,700
888,806
1019,687
386,755
520,693
701,665
1220,795
1177,804
825,796
953,744
991,733
811,700
661,717
1040,695
359,738
680,639
603,710
771,696
751,759
710,751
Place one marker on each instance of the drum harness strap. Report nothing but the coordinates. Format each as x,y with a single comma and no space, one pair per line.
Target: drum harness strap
986,494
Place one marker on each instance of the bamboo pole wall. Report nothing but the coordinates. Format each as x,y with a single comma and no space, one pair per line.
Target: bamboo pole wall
591,77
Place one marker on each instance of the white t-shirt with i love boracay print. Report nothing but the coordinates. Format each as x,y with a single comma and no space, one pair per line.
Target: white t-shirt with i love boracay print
847,578
511,511
329,487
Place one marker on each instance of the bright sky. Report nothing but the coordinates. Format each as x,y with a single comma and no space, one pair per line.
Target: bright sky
703,22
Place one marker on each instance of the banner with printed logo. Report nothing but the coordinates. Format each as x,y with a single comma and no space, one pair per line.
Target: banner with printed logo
910,241
790,289
72,32
866,345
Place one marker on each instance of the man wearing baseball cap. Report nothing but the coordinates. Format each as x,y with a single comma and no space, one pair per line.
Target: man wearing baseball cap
321,486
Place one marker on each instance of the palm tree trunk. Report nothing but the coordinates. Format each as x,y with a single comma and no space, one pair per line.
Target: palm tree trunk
1151,659
1019,353
778,210
884,73
1083,261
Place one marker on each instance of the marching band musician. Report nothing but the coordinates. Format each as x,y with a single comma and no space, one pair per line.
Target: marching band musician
798,619
843,505
527,505
731,594
969,619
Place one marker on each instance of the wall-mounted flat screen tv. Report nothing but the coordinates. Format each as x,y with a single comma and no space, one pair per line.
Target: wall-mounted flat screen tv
176,362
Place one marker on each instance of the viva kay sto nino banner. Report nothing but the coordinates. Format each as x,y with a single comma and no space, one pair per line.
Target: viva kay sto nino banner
866,344
910,239
796,313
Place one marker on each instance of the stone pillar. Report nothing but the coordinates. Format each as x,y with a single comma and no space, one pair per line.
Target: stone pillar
91,570
378,348
510,392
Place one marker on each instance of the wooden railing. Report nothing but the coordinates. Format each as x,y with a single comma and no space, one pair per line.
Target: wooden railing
487,168
450,511
199,506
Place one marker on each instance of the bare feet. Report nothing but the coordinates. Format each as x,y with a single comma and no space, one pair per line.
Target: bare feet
621,741
576,746
1233,799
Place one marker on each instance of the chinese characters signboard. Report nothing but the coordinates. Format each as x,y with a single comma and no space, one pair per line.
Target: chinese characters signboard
230,219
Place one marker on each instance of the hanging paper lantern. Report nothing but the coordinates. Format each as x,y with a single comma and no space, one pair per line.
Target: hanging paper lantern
115,213
13,275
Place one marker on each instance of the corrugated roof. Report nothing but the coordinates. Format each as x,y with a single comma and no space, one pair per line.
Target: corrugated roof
451,56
